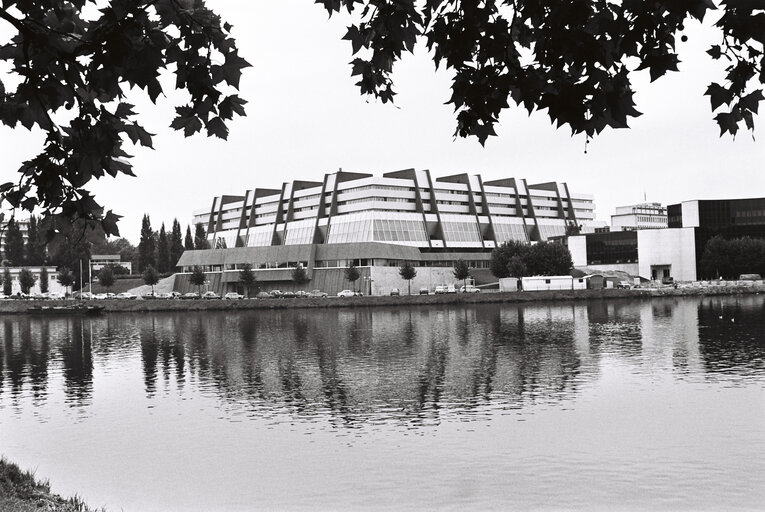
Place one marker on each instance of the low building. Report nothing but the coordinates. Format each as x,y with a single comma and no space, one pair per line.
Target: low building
53,284
550,283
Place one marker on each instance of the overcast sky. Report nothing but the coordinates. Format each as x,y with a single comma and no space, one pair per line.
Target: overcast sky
307,118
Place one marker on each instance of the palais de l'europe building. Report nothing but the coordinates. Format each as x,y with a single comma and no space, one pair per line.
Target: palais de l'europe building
377,223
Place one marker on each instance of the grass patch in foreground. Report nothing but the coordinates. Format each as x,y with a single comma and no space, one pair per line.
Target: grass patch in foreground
21,492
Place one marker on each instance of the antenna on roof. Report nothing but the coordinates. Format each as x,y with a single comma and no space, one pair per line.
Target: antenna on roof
644,196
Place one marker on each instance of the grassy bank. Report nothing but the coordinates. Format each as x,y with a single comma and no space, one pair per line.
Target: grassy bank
13,306
21,492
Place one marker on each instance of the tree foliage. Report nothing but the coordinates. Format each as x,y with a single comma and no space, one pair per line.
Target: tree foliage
26,280
198,277
461,270
299,275
14,243
7,282
188,241
518,259
407,273
65,278
351,273
731,258
76,60
150,277
176,243
44,280
35,247
574,59
163,251
248,280
147,245
200,237
106,277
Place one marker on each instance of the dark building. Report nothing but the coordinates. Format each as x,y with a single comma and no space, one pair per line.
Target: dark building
729,218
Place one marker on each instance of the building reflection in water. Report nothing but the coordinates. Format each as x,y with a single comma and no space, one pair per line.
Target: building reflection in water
359,365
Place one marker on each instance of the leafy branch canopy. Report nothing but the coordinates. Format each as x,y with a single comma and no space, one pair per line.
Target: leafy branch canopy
74,61
572,58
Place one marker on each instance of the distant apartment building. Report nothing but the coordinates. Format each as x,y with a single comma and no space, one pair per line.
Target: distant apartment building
379,221
639,216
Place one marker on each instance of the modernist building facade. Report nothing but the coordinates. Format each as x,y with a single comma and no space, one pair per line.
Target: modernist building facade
367,220
406,207
639,216
677,250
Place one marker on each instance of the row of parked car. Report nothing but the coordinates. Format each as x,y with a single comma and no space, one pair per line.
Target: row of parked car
33,296
442,288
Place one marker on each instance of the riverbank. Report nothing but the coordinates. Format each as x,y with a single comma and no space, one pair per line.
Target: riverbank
128,306
21,492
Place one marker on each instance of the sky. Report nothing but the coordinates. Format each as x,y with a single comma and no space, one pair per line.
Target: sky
305,118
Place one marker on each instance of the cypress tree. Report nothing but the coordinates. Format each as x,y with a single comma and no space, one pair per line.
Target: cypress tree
188,243
163,251
176,244
7,281
35,248
44,280
14,243
146,247
200,238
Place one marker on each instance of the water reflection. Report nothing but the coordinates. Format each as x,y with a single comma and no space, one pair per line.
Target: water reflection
358,366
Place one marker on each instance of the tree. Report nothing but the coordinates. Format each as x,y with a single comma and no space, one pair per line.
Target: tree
146,247
517,268
106,277
84,56
14,243
575,59
548,259
44,280
299,275
72,246
198,277
501,256
247,279
35,248
163,251
26,280
188,242
7,282
715,260
176,244
461,271
352,274
200,238
65,278
407,272
150,277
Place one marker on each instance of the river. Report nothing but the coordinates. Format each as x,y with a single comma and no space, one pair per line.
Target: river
600,405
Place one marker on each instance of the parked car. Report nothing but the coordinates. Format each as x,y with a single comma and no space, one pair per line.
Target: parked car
125,296
165,295
450,288
100,296
441,288
147,296
317,294
59,296
210,295
346,293
275,294
301,294
233,296
175,295
190,295
288,295
85,296
424,291
395,291
469,288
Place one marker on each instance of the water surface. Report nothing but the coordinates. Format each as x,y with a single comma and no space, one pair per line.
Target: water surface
598,405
